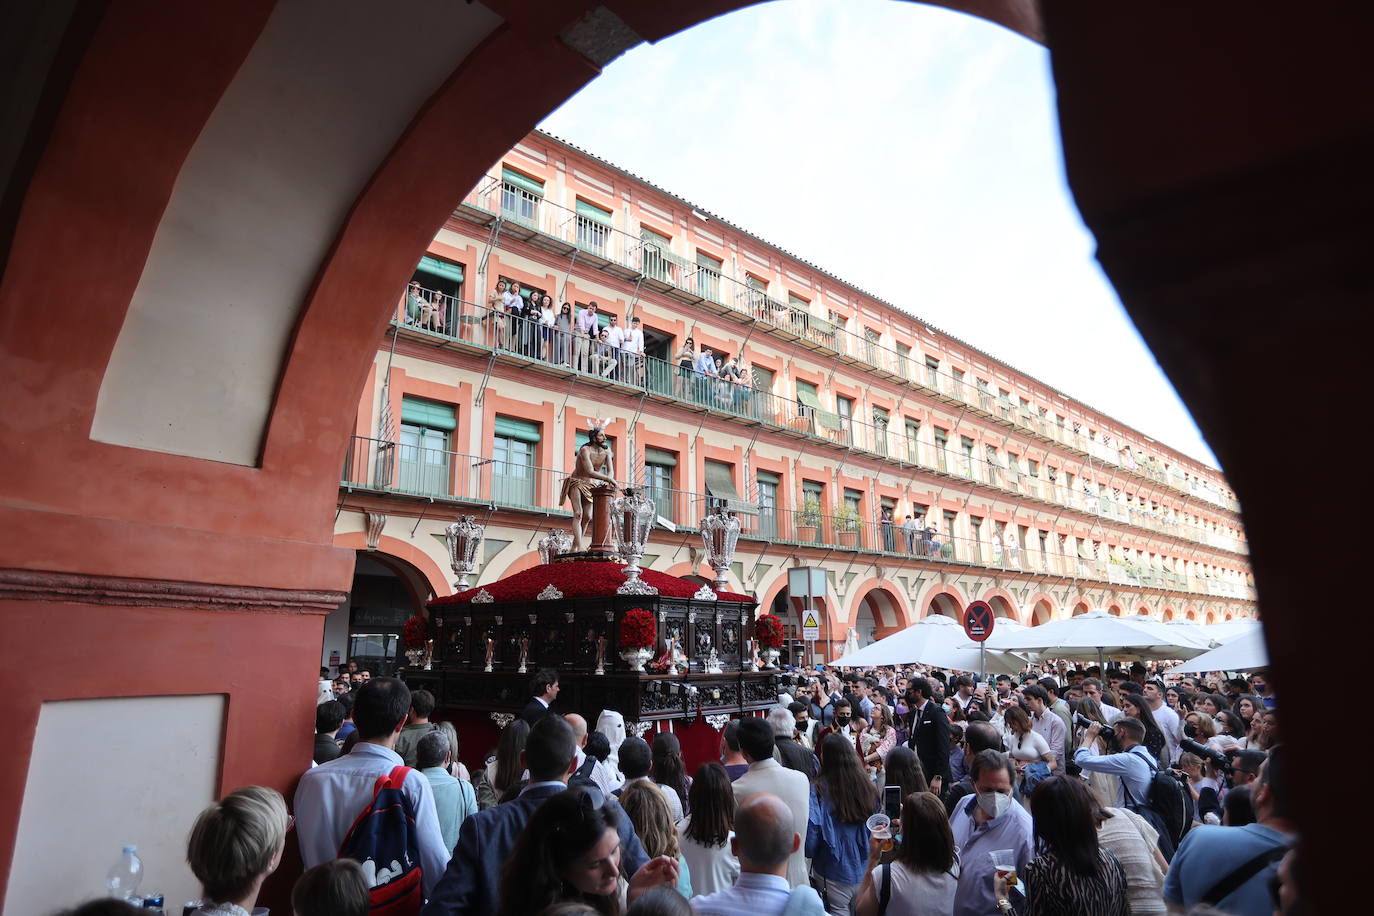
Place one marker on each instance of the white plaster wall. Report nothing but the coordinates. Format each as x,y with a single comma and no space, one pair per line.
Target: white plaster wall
303,126
336,634
109,773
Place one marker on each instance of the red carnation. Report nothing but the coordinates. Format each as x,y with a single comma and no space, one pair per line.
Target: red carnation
415,633
637,629
768,629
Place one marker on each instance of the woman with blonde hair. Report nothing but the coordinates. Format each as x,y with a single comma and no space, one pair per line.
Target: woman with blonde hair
648,811
235,844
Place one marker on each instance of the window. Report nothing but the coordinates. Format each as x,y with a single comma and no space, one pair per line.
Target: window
951,551
852,518
913,441
593,227
520,196
880,421
768,502
984,395
655,250
708,276
720,489
932,372
994,465
941,448
512,465
957,380
845,408
813,507
1033,470
440,276
1044,550
903,360
762,378
838,320
966,446
975,525
659,467
871,338
424,456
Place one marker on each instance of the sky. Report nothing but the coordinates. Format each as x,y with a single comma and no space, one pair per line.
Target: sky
911,151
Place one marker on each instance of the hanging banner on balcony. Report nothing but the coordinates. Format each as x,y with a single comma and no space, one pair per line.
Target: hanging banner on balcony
978,621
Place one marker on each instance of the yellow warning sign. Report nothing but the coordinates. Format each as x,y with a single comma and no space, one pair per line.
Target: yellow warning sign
810,620
811,627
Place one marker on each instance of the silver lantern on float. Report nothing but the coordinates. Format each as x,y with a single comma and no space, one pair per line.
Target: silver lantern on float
719,535
464,539
553,544
632,515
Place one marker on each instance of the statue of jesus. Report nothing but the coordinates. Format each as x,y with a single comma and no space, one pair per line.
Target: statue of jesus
593,468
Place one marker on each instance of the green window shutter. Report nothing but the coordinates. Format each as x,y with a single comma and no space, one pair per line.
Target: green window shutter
811,488
523,182
428,414
720,481
709,262
592,211
768,477
806,393
658,239
660,457
440,268
520,430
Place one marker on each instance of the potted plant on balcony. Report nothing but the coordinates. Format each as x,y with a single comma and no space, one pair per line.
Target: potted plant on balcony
847,526
809,519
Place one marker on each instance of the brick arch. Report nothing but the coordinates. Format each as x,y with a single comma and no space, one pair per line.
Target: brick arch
1003,604
1042,609
1142,610
404,550
1114,608
1168,612
948,597
884,601
1081,606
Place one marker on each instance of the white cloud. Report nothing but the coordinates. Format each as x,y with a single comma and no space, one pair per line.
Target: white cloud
912,151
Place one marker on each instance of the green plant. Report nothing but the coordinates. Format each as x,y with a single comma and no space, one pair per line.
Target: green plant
846,518
810,512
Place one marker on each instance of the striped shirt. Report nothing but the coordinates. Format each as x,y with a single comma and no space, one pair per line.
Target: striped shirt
753,895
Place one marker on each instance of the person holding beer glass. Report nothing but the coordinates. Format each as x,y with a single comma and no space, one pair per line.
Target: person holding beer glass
1073,874
923,876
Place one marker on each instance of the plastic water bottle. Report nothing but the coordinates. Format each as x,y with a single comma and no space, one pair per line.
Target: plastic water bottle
123,877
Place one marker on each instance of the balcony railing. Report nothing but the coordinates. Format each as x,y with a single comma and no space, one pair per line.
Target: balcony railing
657,263
375,464
557,345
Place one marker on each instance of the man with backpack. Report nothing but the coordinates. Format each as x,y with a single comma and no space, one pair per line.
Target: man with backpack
1230,867
332,798
1145,789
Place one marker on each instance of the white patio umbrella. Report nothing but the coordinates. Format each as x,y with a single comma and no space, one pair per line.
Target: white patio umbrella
1242,653
1098,634
1193,631
1228,630
935,640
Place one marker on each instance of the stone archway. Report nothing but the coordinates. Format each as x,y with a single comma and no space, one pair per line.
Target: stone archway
1081,607
1042,611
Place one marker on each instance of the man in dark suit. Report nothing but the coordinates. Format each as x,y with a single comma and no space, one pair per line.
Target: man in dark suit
472,882
544,688
786,748
929,732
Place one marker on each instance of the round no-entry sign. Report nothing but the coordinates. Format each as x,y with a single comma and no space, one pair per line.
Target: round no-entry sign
978,621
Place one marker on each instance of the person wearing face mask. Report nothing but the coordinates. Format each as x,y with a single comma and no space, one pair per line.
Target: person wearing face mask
985,821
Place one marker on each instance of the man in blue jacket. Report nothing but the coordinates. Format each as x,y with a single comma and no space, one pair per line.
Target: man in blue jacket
472,882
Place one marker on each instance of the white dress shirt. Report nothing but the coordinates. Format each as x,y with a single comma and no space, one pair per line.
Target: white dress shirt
616,337
634,341
330,797
753,895
1168,722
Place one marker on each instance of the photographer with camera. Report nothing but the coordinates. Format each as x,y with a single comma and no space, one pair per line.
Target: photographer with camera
1140,792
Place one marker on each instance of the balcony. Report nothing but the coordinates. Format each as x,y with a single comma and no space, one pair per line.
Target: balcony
378,465
448,321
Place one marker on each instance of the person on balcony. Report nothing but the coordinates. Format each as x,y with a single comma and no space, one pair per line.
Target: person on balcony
634,353
593,467
546,322
887,525
706,375
562,335
415,302
910,531
494,317
584,332
686,360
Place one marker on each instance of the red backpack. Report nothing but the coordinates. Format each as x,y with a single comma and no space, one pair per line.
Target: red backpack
383,840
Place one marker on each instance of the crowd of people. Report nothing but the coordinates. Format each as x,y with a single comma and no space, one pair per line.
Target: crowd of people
872,792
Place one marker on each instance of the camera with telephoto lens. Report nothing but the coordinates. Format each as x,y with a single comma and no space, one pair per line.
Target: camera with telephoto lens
1219,760
1080,719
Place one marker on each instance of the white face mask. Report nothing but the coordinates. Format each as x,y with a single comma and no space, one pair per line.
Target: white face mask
994,804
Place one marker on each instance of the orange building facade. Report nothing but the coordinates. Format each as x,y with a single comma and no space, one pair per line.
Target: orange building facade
850,409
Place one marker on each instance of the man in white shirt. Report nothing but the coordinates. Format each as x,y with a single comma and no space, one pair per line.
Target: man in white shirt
330,797
768,776
585,769
584,328
1165,718
634,346
765,841
1092,689
616,338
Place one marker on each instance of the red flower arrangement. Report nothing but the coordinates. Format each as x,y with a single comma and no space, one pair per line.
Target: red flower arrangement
637,630
588,579
768,629
415,633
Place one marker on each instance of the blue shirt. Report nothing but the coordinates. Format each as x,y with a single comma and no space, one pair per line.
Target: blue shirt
838,851
1133,768
975,840
454,801
754,895
1208,854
